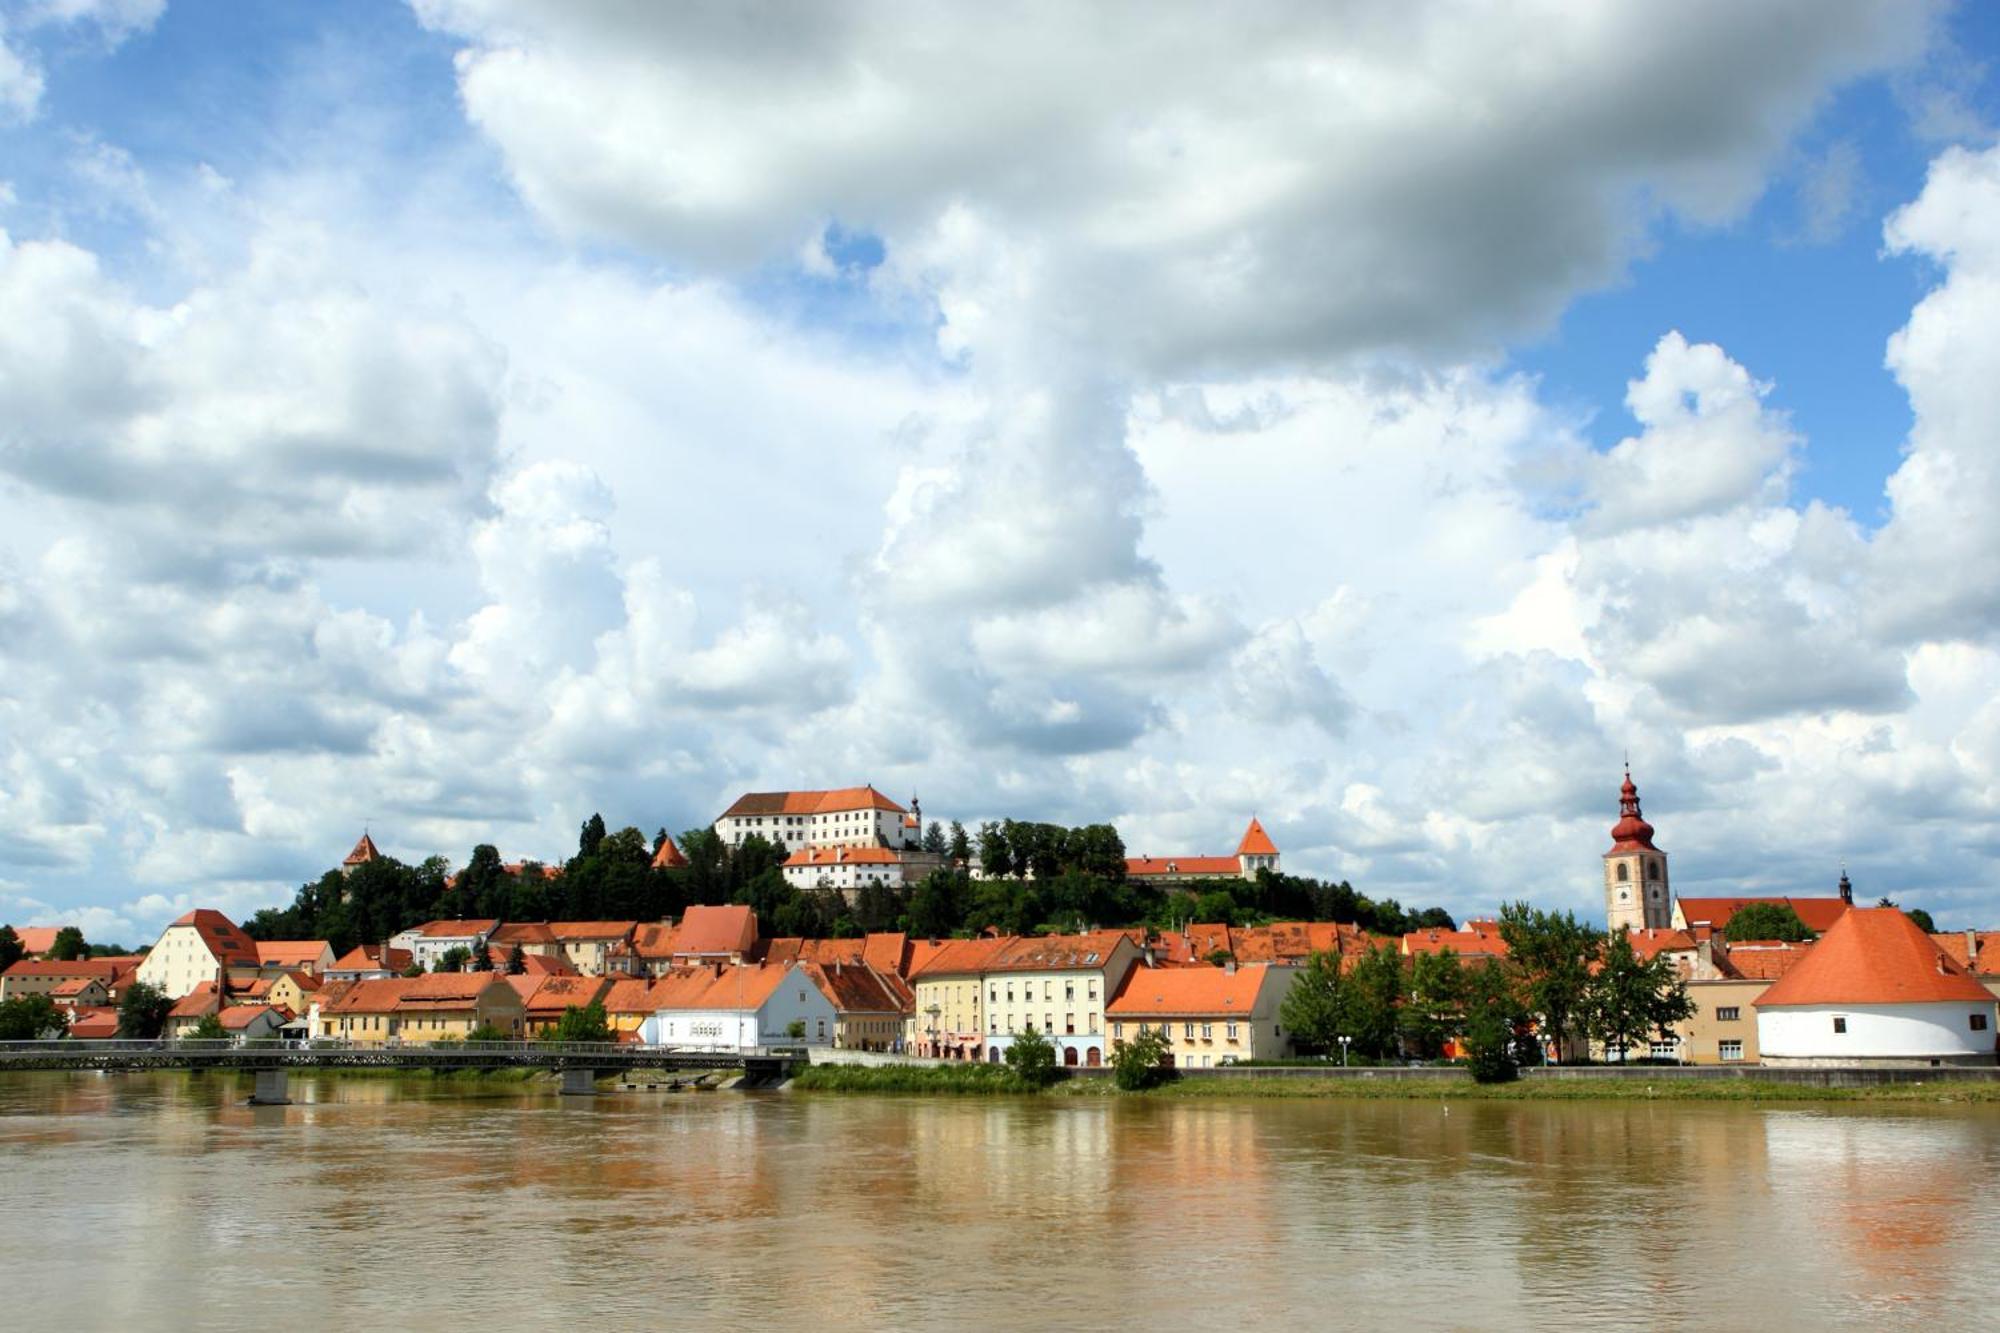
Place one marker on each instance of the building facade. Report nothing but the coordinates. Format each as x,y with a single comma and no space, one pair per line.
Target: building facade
1635,871
1209,1016
1255,852
201,946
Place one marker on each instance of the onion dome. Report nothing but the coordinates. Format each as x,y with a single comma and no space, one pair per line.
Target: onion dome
1631,832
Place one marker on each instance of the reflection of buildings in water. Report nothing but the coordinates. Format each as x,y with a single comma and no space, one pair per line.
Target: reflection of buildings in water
1890,1192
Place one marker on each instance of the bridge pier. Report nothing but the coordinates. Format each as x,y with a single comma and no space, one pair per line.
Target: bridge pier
579,1082
270,1089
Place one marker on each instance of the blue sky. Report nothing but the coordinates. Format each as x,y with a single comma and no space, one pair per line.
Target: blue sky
1125,427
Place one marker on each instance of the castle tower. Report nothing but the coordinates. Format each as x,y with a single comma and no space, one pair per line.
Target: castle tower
1635,871
1256,851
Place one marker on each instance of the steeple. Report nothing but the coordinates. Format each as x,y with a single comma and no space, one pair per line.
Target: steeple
1846,889
1635,871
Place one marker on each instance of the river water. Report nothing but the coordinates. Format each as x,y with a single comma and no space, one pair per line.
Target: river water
163,1201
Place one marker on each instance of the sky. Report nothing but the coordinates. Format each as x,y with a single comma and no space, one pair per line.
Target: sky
455,418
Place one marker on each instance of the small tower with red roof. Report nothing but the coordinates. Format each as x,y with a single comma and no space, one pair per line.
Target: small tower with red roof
1256,851
1635,871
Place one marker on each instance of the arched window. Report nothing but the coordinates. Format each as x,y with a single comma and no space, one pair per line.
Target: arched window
1652,869
1624,872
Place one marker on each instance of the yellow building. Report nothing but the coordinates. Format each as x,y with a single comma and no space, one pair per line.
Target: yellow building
947,1015
1210,1016
1058,985
589,944
435,1007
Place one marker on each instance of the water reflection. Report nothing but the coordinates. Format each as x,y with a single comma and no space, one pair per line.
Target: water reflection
403,1202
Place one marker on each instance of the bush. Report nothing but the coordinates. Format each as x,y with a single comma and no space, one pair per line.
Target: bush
1033,1057
1140,1063
486,1032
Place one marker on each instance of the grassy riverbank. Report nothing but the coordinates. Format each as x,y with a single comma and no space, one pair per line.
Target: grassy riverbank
998,1080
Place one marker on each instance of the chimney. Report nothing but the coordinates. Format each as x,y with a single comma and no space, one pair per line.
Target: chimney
1972,951
1704,957
1229,966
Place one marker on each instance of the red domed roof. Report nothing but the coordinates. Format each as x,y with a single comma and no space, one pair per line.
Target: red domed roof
1631,833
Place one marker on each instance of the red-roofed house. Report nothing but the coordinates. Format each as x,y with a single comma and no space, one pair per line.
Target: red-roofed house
369,962
948,1015
43,976
201,946
1254,852
100,1024
253,1022
588,944
545,998
1819,914
364,852
1059,985
868,1007
434,1007
1209,1015
1876,990
1478,942
725,934
36,940
314,956
739,1008
434,939
667,856
648,953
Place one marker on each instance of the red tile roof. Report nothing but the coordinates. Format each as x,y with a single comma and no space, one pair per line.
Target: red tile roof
829,856
1256,842
726,987
1759,960
104,969
633,995
856,988
1650,941
364,851
36,939
93,1022
199,1002
242,1016
653,939
76,986
715,930
1873,955
368,958
429,993
1194,991
950,958
551,995
222,936
1977,951
522,932
289,953
456,930
1142,866
592,930
1819,914
811,802
1050,953
669,857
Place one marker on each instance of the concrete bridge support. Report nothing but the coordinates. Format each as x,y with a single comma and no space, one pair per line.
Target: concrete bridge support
270,1089
579,1082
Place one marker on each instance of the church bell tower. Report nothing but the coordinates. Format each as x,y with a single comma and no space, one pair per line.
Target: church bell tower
1635,871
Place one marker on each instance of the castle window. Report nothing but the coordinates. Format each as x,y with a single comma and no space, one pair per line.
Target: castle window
1653,869
1624,872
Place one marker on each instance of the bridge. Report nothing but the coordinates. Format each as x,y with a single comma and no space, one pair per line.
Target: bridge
578,1062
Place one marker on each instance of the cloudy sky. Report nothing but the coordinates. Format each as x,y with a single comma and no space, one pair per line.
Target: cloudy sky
458,418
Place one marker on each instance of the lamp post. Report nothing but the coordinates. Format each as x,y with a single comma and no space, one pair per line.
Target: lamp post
1343,1051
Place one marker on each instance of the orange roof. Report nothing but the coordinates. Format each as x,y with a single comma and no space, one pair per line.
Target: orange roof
36,939
811,802
93,1023
364,851
957,957
591,930
368,958
304,980
1759,960
77,985
827,856
197,1003
716,930
653,939
1873,955
1818,914
551,995
633,995
669,856
243,1015
856,988
289,953
1182,865
1256,842
1196,991
522,932
1045,953
727,987
886,952
456,930
432,991
1650,941
1464,943
103,969
224,939
1977,951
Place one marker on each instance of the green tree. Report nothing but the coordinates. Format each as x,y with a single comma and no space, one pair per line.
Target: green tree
584,1023
934,840
1493,1021
1766,921
142,1013
1630,998
796,1029
11,948
1435,1007
1140,1063
1032,1056
1314,1010
937,904
415,969
1551,955
481,960
996,858
208,1029
486,1032
960,846
590,836
69,945
1374,993
29,1018
517,962
453,959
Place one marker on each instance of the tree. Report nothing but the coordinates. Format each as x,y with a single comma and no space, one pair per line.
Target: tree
960,847
1917,914
11,948
796,1029
1374,994
1492,1024
586,1023
453,959
1766,921
1033,1057
481,960
937,904
1435,1006
415,969
1140,1063
486,1032
590,836
1630,998
517,962
142,1013
208,1029
934,841
1551,955
30,1018
1314,1009
69,945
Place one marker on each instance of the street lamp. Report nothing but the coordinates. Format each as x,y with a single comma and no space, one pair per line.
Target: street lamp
1343,1051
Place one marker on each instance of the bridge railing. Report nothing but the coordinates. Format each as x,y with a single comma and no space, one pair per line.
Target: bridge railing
620,1052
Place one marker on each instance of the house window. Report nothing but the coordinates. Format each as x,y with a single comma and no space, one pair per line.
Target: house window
1624,874
1666,1050
1978,1022
1118,1030
1730,1050
1093,989
1840,1022
1187,1031
1207,1032
1229,1031
1728,1013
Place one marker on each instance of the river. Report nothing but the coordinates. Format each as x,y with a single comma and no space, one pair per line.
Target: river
164,1201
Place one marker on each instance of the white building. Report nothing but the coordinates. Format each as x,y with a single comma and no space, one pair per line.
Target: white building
1059,985
1254,852
201,946
1875,990
848,817
434,939
739,1008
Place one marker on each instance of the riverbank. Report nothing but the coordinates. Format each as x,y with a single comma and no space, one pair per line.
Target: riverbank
991,1080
